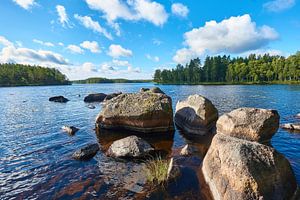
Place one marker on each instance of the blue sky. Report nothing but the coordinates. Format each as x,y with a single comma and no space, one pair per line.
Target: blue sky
132,38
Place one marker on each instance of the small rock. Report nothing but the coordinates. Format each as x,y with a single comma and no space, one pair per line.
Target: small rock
291,126
59,99
298,115
144,89
156,90
97,97
91,106
173,170
131,146
70,129
86,152
112,95
187,150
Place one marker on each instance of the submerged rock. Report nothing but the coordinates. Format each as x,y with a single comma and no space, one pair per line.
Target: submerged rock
173,170
188,150
196,115
142,112
240,169
131,146
112,95
97,97
91,106
86,152
60,99
292,127
252,124
70,129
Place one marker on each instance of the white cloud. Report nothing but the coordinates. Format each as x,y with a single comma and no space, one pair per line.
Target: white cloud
184,55
63,17
179,9
89,23
152,58
75,49
29,56
117,51
279,5
5,42
131,10
91,45
234,35
61,44
26,4
48,44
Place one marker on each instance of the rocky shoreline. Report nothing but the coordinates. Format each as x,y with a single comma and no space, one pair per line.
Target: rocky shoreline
239,163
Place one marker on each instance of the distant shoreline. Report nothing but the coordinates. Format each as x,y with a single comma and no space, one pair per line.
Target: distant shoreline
236,83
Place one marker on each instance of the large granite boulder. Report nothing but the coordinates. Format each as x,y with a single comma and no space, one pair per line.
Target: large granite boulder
97,97
131,146
249,123
86,152
239,169
196,115
59,99
142,112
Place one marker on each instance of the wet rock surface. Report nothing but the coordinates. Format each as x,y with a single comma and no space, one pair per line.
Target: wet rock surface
112,95
71,130
188,150
196,115
129,147
59,99
252,124
86,152
140,112
97,97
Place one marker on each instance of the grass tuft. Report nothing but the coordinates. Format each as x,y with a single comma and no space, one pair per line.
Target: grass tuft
157,171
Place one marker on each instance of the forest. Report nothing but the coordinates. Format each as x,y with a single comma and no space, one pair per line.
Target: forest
105,80
239,70
23,75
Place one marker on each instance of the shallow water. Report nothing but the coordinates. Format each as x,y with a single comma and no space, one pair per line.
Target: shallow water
35,155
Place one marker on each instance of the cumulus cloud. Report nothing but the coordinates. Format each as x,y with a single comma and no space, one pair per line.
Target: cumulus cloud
13,54
91,45
26,4
5,42
131,10
117,51
179,9
62,14
152,58
89,23
279,5
184,55
234,35
75,49
48,44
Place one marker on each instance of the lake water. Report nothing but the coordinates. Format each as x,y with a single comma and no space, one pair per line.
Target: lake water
35,155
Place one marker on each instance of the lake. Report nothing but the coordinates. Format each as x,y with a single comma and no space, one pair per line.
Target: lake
35,155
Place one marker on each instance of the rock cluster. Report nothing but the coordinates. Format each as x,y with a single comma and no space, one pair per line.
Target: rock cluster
196,115
237,166
142,112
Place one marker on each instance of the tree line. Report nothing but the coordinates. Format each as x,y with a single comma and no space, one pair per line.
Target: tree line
22,75
224,69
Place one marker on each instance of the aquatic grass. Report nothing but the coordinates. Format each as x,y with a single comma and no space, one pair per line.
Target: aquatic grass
157,170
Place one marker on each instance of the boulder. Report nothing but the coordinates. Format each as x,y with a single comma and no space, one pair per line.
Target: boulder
196,115
60,99
173,170
70,129
86,152
298,115
292,127
239,169
142,112
249,123
97,97
91,106
188,150
131,146
112,95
